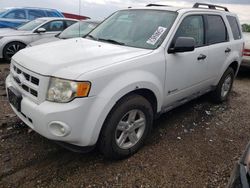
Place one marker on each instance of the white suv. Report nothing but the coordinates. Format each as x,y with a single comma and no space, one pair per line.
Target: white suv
106,89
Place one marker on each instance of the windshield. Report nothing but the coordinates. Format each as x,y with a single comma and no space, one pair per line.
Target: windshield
31,25
136,28
2,11
78,29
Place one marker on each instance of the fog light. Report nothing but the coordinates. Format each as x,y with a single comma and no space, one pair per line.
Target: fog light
59,129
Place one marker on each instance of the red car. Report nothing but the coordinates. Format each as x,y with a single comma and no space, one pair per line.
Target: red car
75,16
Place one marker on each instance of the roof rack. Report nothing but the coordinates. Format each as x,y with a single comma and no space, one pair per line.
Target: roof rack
210,6
156,5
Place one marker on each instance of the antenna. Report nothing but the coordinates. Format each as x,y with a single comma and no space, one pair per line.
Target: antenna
80,4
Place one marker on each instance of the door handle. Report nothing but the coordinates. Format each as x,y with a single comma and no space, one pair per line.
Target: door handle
201,57
228,50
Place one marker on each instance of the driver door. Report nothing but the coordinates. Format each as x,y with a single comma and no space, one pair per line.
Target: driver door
52,29
187,72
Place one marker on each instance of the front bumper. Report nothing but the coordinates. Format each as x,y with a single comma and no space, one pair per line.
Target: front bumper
76,117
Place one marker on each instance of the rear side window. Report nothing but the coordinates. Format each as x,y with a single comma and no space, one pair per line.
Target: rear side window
192,26
235,27
216,30
52,14
69,23
33,14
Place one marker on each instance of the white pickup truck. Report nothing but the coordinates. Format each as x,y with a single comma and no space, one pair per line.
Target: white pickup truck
106,89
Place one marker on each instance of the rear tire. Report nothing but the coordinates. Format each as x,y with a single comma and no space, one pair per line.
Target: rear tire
223,89
11,49
126,127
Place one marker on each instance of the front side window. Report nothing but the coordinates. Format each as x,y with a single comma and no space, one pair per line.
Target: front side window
135,28
192,26
235,27
16,14
216,30
33,14
31,25
54,26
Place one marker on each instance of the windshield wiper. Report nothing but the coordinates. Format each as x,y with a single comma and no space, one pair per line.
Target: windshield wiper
90,36
111,41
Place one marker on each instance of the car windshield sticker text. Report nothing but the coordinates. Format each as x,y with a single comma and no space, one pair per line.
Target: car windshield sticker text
157,35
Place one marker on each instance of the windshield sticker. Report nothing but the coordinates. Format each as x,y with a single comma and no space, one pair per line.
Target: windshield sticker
157,35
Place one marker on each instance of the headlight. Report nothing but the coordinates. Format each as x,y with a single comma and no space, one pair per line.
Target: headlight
63,91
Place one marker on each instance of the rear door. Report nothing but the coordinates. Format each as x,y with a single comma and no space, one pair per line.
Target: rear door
219,45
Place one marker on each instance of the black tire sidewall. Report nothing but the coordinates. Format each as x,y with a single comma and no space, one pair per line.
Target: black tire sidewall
229,72
5,56
108,143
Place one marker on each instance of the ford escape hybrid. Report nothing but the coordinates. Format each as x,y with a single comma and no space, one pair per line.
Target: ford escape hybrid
107,88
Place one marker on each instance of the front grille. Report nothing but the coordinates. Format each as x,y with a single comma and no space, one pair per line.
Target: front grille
27,82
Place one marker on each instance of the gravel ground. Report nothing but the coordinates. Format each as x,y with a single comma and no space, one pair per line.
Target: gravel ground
195,145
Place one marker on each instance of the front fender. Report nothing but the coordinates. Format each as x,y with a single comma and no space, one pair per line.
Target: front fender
112,92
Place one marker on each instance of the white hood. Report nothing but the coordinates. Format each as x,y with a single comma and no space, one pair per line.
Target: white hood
74,57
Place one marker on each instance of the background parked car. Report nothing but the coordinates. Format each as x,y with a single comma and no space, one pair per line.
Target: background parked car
246,54
79,29
75,16
13,40
14,17
240,177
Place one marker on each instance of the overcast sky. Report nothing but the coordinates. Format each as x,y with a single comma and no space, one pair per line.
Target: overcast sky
99,9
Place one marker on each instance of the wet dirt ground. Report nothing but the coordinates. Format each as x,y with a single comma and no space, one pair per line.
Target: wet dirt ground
195,145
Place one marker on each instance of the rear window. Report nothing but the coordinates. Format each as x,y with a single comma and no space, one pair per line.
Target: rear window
217,31
52,14
235,27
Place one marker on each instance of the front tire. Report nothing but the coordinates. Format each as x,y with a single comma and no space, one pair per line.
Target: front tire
223,89
11,49
126,127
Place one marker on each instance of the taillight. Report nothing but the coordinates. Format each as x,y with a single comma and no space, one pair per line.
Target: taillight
246,52
243,48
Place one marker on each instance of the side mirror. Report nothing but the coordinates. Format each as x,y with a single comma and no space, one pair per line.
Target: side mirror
183,44
41,30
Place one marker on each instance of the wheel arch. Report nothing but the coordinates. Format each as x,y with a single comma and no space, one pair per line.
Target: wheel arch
235,66
9,42
148,94
19,41
107,105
